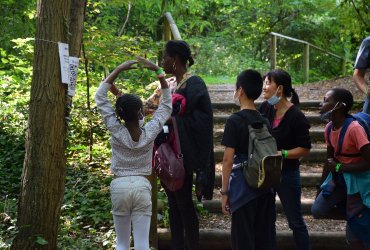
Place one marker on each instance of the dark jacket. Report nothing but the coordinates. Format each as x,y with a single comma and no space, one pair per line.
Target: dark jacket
196,125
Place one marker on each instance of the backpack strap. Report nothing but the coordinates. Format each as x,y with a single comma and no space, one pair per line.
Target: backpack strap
328,132
343,131
253,121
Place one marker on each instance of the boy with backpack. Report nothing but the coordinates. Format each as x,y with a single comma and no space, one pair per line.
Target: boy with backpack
347,171
252,210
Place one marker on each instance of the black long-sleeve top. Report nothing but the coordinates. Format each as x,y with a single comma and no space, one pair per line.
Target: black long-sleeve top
292,132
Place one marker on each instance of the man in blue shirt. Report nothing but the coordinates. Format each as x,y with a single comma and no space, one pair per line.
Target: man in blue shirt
362,63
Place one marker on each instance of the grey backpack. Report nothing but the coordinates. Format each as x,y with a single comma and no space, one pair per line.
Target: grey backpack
263,169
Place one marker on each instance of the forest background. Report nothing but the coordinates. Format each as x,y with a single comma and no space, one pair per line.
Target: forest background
226,36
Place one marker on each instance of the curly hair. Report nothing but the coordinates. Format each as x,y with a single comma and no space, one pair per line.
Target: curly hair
128,107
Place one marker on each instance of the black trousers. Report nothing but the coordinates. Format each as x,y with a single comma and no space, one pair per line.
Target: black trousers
184,222
253,225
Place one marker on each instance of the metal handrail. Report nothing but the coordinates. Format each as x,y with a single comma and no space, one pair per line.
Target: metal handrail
304,42
307,45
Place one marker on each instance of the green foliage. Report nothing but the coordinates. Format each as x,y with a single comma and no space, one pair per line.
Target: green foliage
226,37
17,21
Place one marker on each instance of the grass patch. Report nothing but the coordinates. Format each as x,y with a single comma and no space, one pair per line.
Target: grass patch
209,80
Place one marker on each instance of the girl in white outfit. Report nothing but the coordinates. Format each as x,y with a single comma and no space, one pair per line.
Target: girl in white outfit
131,162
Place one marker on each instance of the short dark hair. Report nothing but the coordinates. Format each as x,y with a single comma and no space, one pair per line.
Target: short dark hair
128,107
251,82
281,77
181,49
343,95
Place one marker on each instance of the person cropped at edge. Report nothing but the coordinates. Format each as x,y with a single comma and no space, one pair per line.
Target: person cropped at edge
252,211
362,63
348,171
290,128
131,162
195,129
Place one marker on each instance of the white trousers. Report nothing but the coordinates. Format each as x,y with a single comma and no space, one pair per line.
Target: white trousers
141,227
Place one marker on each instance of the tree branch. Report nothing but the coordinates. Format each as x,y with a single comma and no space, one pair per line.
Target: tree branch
358,13
124,24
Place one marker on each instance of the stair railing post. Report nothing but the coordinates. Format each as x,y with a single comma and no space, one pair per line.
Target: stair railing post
167,31
273,51
343,66
170,31
306,62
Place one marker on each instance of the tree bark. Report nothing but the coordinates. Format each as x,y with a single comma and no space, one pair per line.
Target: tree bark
77,14
44,169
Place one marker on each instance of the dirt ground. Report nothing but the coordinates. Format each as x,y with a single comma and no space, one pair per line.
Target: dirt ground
317,90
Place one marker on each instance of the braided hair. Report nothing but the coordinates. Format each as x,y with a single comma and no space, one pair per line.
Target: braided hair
281,77
181,49
128,106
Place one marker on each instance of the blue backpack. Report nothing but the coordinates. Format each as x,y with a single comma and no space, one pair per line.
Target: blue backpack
362,118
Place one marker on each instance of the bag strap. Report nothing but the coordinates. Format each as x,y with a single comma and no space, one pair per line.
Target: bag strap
249,121
345,126
177,138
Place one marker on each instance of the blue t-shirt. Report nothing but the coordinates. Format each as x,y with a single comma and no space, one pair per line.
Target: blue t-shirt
363,58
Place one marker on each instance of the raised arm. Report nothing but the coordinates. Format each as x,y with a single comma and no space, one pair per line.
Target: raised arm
112,76
124,66
360,81
154,67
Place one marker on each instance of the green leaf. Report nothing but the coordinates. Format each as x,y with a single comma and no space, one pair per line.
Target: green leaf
41,241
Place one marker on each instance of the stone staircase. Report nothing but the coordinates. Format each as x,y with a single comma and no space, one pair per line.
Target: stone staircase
327,237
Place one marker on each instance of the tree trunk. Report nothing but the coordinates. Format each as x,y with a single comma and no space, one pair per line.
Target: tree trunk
76,26
43,177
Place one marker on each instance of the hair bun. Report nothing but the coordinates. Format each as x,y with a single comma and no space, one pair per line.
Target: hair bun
191,61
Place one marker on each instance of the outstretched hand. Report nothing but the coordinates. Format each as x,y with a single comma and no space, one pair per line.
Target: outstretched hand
147,64
128,65
124,66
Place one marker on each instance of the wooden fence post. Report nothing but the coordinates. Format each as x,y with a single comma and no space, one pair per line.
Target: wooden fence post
170,31
153,234
306,62
343,66
273,51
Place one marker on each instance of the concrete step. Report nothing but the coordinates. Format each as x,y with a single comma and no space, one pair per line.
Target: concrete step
307,179
221,118
316,134
316,155
213,239
214,206
307,104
